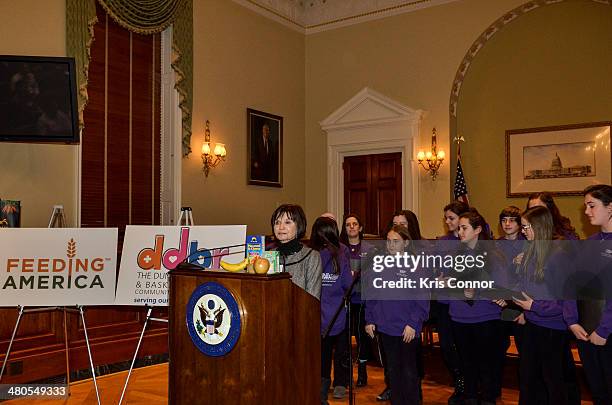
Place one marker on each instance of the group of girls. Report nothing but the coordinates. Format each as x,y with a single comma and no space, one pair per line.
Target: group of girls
472,335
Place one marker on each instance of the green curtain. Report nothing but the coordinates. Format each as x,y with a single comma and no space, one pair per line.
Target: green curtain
80,20
142,17
182,63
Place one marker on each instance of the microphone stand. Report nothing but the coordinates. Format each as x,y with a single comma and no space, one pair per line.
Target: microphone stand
346,303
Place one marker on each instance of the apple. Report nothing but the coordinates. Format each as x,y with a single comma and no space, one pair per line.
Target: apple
261,265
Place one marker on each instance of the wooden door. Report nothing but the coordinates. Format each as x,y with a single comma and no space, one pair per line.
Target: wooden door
373,188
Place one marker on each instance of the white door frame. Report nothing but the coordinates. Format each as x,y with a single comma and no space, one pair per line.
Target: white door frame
371,123
171,133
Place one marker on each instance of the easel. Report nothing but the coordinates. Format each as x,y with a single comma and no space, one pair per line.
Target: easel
58,220
185,218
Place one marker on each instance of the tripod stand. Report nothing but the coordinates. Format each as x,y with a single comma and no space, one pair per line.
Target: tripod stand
185,217
58,219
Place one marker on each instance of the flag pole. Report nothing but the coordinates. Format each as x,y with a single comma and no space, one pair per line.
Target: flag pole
458,139
460,187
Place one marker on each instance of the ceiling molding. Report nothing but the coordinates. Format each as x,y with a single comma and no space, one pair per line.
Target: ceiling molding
312,16
285,16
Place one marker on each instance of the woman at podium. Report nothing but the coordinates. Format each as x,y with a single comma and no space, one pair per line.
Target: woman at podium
303,263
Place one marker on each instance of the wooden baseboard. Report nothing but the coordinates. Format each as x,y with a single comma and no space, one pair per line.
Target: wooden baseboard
37,364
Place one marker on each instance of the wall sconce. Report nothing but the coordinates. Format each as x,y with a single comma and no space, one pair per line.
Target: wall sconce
432,160
211,160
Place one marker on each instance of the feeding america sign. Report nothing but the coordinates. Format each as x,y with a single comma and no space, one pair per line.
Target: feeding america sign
58,266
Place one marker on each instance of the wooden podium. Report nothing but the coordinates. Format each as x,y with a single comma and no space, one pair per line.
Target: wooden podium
277,358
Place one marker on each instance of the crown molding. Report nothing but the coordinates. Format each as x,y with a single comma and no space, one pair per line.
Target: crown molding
285,16
313,16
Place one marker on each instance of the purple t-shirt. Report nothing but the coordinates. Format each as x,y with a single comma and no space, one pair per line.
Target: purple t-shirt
570,308
545,310
510,249
333,287
479,309
392,316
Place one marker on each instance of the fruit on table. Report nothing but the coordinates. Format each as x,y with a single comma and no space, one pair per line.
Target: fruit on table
249,268
261,265
233,267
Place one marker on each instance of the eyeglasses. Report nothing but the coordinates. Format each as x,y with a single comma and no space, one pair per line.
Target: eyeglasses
526,227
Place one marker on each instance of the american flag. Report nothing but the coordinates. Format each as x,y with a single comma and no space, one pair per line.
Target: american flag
460,189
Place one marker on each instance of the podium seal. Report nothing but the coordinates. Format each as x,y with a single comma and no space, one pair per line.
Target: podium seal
213,319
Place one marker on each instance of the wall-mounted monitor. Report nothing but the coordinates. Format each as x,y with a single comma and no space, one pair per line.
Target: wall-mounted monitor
38,100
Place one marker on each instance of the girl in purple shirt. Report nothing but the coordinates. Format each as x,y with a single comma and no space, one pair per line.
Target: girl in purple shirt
595,345
398,324
476,322
439,310
352,236
545,345
336,281
562,226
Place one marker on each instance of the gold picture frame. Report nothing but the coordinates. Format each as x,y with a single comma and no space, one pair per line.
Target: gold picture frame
562,159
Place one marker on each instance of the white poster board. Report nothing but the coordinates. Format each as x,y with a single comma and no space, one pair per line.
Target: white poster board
149,252
58,266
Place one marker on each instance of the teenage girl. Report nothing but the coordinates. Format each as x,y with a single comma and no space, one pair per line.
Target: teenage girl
352,236
563,228
398,324
476,321
545,344
336,280
592,325
439,310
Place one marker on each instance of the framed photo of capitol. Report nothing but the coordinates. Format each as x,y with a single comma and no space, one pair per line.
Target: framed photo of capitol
562,160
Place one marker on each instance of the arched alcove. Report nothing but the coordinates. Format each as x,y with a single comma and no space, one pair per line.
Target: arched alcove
542,64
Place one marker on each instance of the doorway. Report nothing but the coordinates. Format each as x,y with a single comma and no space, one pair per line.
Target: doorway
367,124
373,188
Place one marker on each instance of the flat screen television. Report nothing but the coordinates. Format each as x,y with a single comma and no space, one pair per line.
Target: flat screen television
38,99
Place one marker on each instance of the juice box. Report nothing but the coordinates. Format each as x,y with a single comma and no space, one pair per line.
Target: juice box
255,245
273,258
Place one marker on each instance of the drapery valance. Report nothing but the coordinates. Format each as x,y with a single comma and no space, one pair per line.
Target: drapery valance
142,17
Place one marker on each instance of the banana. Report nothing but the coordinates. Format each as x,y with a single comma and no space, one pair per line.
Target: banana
234,267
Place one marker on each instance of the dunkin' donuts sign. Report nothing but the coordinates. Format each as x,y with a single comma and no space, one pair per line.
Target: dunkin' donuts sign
149,252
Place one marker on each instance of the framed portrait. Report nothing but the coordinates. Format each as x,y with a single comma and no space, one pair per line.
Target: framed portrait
38,99
265,149
562,160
